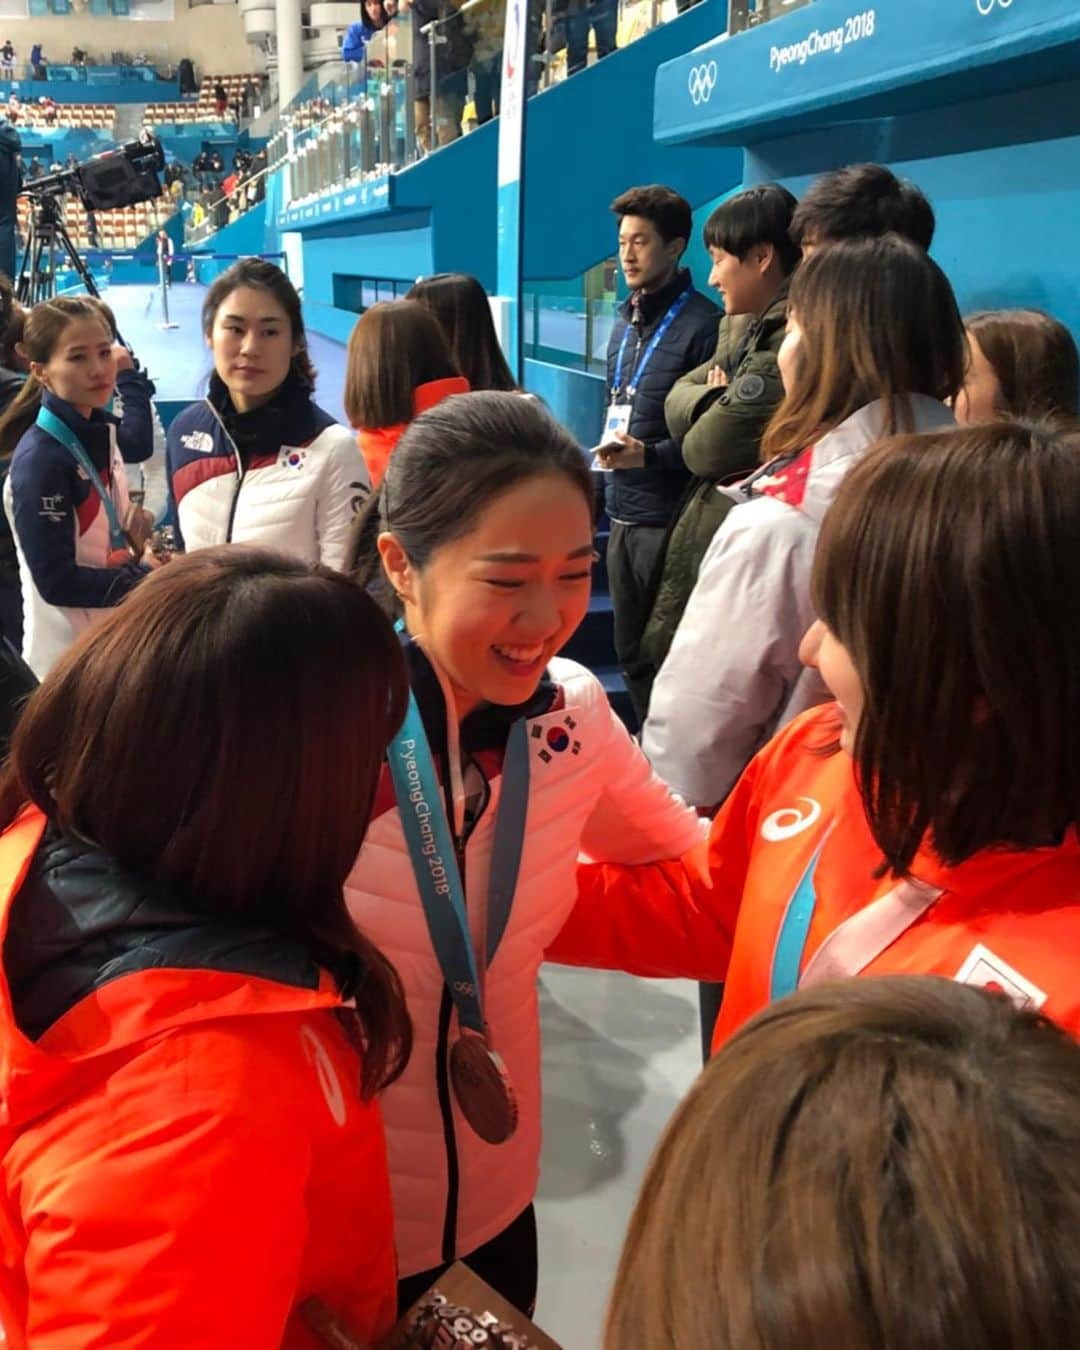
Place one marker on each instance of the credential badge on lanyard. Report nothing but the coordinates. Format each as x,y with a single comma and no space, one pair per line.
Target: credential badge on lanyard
481,1083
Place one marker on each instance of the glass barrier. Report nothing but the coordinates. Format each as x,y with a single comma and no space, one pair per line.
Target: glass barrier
569,330
375,115
351,121
746,14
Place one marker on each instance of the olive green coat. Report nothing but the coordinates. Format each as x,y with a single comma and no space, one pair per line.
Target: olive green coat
720,432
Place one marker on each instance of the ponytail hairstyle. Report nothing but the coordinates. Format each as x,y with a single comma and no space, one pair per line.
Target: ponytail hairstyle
44,327
256,274
449,466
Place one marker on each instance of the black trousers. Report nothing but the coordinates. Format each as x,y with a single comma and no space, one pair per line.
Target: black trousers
633,556
509,1263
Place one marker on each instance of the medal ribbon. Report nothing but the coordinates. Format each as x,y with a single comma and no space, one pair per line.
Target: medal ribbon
59,430
434,860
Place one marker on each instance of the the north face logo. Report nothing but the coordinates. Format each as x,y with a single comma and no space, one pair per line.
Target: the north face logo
201,441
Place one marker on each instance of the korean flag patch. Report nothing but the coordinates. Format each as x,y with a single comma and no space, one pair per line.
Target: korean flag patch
984,970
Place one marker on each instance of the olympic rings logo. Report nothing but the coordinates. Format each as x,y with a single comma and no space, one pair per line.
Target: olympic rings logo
702,82
986,7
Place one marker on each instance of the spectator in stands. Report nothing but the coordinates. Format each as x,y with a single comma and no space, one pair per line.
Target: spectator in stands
399,365
34,169
200,166
835,1159
167,986
221,99
463,310
7,60
861,201
217,165
229,182
302,474
359,34
486,24
446,102
72,161
50,110
37,62
602,17
82,547
733,674
1021,363
664,329
10,182
718,412
927,821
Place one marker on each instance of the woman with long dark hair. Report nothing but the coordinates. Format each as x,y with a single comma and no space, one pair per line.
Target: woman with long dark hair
192,1029
463,309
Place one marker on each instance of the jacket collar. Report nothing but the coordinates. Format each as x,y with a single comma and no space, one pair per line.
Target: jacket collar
486,727
71,416
808,480
429,395
289,418
92,432
653,305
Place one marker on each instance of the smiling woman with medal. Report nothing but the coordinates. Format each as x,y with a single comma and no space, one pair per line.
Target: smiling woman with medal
510,764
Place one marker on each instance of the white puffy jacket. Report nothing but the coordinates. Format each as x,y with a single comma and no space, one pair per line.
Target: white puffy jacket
733,674
596,794
299,493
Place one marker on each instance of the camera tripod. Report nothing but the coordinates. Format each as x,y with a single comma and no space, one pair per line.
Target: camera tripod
46,237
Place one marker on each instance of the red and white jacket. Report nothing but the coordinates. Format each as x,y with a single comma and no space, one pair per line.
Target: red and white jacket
591,792
298,492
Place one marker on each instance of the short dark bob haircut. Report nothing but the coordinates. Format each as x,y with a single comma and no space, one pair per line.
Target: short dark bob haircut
948,566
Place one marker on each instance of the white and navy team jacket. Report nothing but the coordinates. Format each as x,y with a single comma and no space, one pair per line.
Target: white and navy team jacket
61,532
298,495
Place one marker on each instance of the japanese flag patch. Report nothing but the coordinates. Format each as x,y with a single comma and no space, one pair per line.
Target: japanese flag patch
984,970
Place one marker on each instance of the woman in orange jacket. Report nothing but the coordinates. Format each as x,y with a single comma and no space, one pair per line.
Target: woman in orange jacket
399,365
926,822
192,1031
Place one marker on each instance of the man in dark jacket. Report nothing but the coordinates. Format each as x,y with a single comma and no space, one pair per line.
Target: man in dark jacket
664,329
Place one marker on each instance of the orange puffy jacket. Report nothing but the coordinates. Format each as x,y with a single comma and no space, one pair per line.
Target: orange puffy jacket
186,1158
1004,919
377,443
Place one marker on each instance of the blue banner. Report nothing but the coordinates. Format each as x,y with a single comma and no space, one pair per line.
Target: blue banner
841,59
362,199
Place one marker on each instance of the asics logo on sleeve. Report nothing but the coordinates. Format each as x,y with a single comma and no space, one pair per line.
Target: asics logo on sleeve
316,1054
790,821
201,441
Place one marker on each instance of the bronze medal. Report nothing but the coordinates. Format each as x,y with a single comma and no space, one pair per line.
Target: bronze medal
483,1089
